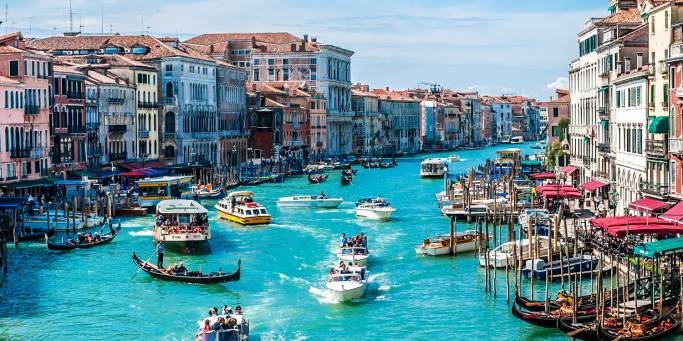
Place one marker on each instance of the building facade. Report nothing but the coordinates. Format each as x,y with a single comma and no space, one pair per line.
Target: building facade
68,132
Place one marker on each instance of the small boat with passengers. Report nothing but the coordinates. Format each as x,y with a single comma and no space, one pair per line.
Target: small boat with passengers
224,325
440,245
454,158
374,208
433,168
347,283
309,201
178,273
207,192
83,241
182,223
240,207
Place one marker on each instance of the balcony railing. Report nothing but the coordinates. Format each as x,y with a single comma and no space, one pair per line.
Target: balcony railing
74,94
603,147
657,149
76,130
117,156
663,69
679,92
19,153
676,146
169,101
118,128
36,153
603,113
676,50
169,135
148,105
143,134
31,109
656,189
115,100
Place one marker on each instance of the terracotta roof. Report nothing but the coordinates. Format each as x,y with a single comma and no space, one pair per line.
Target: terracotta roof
271,103
268,37
100,78
66,69
4,79
356,92
624,16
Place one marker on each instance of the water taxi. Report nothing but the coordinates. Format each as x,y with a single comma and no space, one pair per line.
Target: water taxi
504,254
517,140
374,208
240,207
454,158
461,213
433,168
348,283
439,245
183,223
207,192
154,190
309,201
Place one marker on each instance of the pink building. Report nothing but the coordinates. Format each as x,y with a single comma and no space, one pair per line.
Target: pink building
556,110
24,131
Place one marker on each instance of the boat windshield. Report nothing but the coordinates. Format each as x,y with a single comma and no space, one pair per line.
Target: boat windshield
354,251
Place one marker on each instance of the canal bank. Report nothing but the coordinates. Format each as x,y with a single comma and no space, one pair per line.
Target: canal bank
285,267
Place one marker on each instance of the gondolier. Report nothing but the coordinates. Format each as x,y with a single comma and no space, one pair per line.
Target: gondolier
160,255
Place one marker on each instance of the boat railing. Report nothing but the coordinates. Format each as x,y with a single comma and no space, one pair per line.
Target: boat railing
179,229
219,335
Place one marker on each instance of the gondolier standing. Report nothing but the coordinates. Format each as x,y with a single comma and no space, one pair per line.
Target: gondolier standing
160,255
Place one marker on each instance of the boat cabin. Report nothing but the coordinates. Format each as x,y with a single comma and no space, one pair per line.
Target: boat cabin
163,188
181,216
433,167
509,155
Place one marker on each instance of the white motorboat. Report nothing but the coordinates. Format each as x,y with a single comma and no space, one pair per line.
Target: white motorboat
207,192
454,158
354,255
58,223
348,283
504,255
374,208
517,140
183,223
309,201
461,213
439,245
433,168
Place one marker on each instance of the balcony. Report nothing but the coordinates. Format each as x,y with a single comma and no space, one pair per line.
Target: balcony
118,156
603,113
602,176
604,73
603,147
319,144
676,50
20,153
31,109
36,153
74,95
169,101
118,128
169,135
115,100
654,189
676,146
663,69
656,149
148,105
76,130
143,134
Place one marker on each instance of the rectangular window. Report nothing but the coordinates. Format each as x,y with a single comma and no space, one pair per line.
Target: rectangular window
285,74
169,67
14,68
271,61
285,61
673,173
618,99
256,75
556,131
257,61
638,96
314,61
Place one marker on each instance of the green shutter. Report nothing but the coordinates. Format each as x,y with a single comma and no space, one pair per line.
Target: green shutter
652,95
666,95
637,96
618,98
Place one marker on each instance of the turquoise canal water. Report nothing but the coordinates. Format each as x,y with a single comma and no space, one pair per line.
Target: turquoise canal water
89,294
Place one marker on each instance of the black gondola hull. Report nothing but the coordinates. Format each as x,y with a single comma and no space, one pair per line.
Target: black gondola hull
231,277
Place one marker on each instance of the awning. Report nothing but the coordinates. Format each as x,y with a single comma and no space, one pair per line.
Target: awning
558,191
154,164
620,226
592,185
674,214
659,125
603,88
543,176
130,166
28,184
604,123
531,162
647,205
569,169
659,248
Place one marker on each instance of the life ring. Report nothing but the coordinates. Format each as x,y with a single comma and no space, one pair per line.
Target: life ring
198,230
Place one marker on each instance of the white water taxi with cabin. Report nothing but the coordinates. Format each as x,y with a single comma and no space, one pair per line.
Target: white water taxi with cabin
374,208
454,158
241,208
433,168
504,255
183,223
439,245
309,201
354,254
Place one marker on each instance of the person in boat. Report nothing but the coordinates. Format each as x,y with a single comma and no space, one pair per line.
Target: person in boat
206,328
238,310
218,324
343,240
180,269
70,241
96,236
160,255
160,220
90,238
364,243
322,195
227,310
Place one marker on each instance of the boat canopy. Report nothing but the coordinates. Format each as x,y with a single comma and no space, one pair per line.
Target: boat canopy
532,163
435,161
543,176
171,180
659,248
648,205
180,206
241,194
620,226
592,185
674,214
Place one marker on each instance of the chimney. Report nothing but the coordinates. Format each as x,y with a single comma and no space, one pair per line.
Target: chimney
293,47
253,87
627,64
639,60
620,67
306,38
211,48
302,47
253,41
387,88
314,39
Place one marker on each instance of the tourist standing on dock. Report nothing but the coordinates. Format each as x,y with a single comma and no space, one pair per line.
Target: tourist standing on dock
160,255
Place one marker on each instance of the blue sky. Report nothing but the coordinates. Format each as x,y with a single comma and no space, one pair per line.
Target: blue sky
493,46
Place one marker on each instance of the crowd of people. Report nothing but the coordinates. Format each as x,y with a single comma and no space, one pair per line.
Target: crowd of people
173,226
360,240
228,323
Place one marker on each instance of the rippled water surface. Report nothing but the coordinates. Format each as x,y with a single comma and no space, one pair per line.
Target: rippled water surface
90,293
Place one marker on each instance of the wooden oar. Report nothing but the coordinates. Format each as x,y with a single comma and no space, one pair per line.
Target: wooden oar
143,264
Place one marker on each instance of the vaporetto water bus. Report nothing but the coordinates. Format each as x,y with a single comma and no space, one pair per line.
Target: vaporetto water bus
154,190
241,208
309,201
433,168
182,223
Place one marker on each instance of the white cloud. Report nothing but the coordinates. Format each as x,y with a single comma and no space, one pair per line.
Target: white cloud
476,87
559,83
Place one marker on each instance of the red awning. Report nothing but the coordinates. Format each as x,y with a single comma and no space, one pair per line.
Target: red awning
131,166
674,214
592,185
154,164
133,174
569,169
647,205
620,226
543,176
558,191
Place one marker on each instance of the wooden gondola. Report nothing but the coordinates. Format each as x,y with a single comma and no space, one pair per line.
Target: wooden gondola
235,184
549,320
585,302
578,330
346,180
258,181
348,172
191,277
317,179
35,235
104,239
365,165
653,329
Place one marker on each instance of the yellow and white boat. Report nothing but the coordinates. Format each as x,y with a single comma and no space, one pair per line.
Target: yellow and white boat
241,208
155,190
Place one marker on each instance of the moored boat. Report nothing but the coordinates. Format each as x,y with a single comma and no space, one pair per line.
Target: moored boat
317,179
583,264
517,140
502,255
82,242
207,192
181,274
309,201
28,235
462,213
241,208
440,245
154,190
182,223
374,208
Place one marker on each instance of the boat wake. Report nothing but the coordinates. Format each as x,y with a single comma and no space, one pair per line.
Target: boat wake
322,295
143,233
